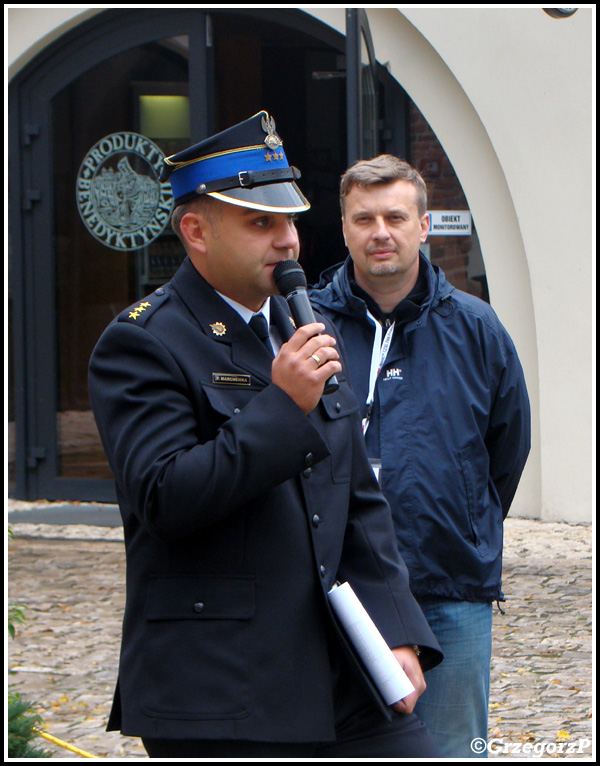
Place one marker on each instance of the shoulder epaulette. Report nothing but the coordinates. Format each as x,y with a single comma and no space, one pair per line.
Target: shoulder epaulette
139,313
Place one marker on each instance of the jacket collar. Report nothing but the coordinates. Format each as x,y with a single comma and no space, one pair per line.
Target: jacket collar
218,320
334,290
222,323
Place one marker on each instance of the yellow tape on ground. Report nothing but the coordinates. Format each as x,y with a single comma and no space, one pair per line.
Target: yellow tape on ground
66,745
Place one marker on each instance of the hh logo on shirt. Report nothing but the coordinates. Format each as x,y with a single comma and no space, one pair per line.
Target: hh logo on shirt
394,373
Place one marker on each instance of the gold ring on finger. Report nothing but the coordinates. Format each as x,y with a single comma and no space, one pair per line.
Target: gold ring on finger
317,360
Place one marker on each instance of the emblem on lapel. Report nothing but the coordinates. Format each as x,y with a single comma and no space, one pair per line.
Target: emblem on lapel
218,328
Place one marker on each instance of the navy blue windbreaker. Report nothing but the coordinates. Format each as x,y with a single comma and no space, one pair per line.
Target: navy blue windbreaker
451,425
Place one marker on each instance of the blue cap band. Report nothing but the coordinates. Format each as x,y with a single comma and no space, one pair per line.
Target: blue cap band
187,178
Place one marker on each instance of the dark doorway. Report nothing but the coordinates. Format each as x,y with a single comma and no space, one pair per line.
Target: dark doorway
67,284
124,70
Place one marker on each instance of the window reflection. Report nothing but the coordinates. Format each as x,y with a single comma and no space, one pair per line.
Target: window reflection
148,92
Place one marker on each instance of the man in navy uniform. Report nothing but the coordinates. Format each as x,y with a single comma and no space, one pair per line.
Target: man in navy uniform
246,493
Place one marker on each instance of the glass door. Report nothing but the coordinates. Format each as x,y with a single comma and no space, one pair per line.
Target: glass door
112,237
94,235
361,88
90,121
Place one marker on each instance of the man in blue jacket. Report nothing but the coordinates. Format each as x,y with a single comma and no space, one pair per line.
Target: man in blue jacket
446,422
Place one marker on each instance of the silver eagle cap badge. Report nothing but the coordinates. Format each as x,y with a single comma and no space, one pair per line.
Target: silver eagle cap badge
272,140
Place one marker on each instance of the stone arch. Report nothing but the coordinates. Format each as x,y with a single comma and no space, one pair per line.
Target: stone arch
430,83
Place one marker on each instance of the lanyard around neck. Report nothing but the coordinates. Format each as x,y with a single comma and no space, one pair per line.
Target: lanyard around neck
378,357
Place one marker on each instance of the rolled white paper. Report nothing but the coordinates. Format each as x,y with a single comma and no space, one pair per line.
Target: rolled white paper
385,670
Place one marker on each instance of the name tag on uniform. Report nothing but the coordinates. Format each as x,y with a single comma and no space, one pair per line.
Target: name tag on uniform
230,379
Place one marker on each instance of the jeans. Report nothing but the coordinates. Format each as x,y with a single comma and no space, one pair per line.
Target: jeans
454,706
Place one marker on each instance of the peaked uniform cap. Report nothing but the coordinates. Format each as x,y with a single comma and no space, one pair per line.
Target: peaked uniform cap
244,165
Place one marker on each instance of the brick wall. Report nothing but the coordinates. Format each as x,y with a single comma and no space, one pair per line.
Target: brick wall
444,193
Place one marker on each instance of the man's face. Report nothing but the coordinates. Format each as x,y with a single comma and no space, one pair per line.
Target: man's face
240,249
383,232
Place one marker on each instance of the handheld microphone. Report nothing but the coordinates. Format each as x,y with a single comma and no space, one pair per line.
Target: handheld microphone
291,282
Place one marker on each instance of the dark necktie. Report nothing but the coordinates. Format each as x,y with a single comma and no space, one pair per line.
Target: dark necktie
258,323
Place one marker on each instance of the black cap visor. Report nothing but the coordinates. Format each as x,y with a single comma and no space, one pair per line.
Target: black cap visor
271,198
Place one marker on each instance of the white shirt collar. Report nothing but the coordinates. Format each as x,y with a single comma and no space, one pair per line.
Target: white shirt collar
247,313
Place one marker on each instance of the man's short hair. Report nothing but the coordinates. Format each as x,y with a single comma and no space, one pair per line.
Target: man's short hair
384,169
197,205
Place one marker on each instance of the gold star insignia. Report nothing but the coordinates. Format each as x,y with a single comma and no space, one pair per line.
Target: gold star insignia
135,312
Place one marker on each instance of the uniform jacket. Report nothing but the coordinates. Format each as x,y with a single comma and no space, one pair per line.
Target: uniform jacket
239,513
452,425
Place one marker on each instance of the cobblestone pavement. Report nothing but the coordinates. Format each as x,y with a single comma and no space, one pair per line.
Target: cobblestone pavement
71,580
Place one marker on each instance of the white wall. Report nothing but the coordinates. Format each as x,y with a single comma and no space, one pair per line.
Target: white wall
509,94
529,79
29,30
415,63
